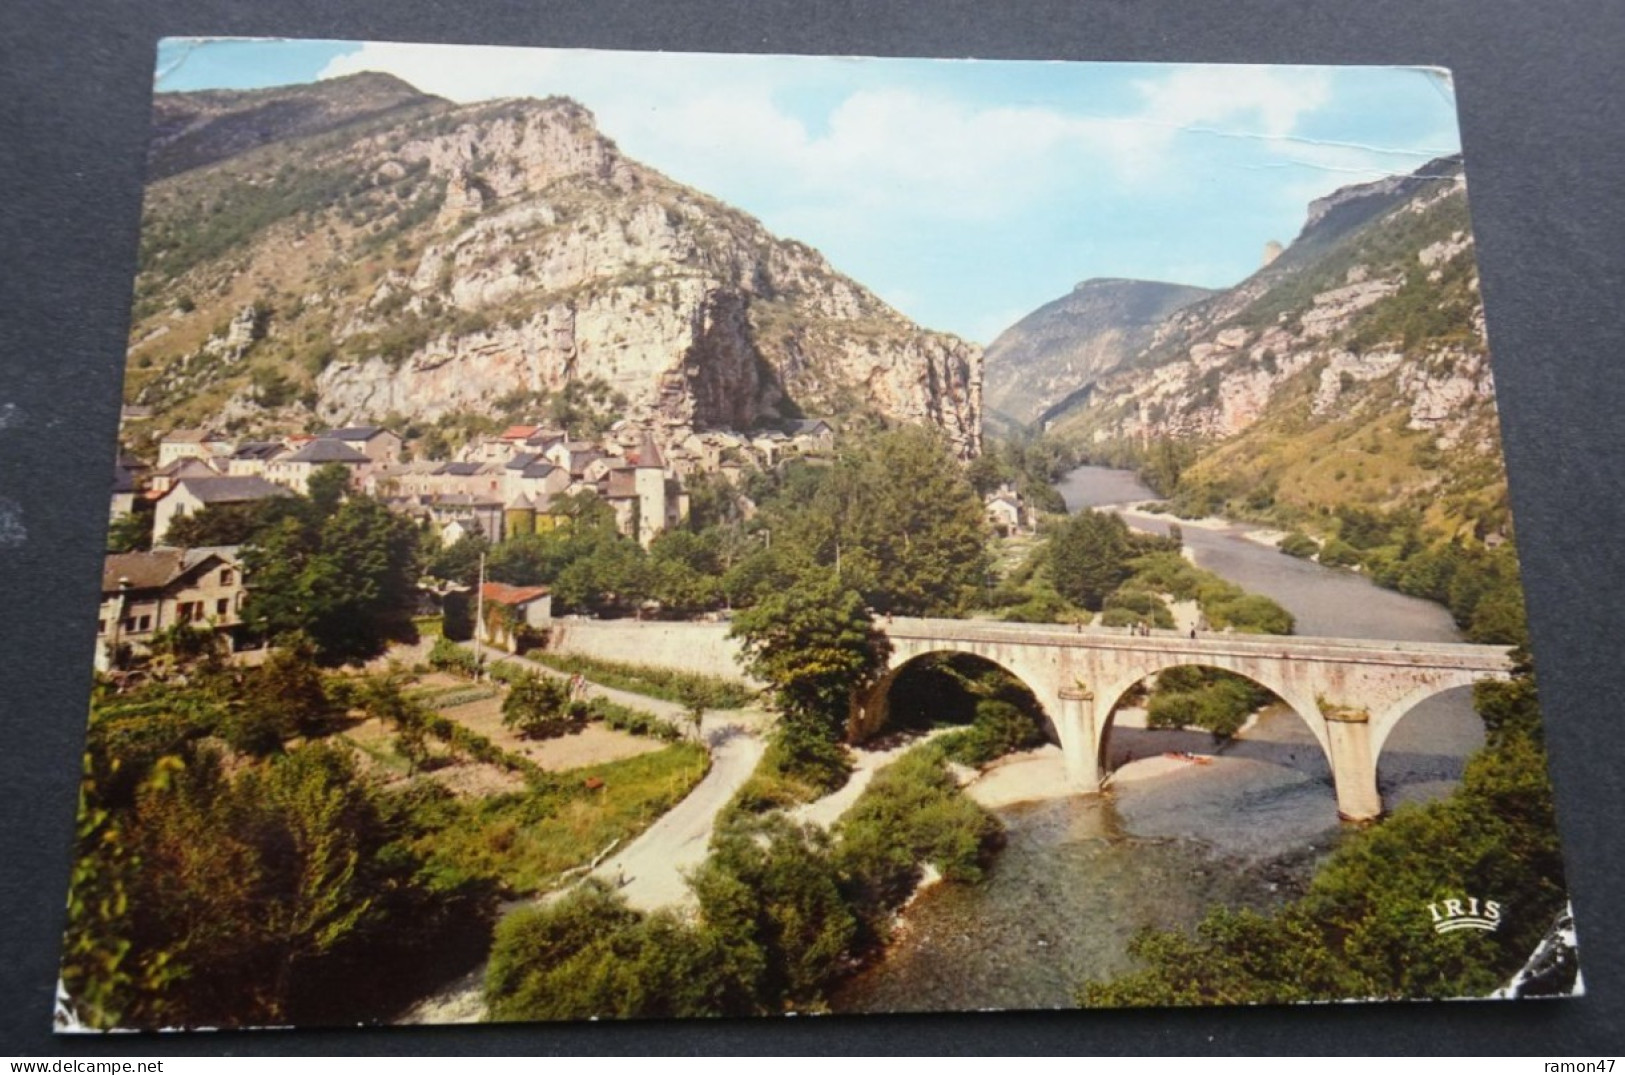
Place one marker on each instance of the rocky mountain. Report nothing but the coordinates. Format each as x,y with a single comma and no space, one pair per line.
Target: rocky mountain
1351,370
403,258
190,130
1058,350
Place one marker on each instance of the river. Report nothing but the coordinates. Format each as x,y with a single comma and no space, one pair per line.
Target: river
1080,876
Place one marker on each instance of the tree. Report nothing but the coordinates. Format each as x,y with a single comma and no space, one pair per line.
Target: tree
898,519
227,524
131,532
815,644
327,488
589,956
771,894
282,698
684,572
540,707
460,561
1089,557
270,896
347,581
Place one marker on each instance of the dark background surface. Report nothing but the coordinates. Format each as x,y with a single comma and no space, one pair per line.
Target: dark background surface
1539,89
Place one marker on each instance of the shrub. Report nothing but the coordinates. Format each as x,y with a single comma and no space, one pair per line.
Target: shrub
1339,553
448,656
539,707
912,812
1000,728
1191,697
633,721
1250,614
667,684
1300,545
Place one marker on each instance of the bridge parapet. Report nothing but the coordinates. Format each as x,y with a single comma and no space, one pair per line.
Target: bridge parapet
1454,655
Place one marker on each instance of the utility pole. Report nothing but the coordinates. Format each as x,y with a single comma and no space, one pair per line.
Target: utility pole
479,619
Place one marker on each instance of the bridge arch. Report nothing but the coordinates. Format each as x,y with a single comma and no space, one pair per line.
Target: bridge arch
1299,696
880,709
1385,721
1110,700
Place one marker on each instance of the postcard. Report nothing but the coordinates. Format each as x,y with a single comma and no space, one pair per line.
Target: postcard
650,535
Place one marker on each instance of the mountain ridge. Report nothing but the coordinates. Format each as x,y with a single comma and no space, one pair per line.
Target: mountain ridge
427,258
1051,353
1350,372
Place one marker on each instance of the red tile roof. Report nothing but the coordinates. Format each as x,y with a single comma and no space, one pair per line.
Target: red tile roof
503,594
518,432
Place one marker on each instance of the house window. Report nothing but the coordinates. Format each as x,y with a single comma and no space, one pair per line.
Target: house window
191,610
101,627
226,576
222,607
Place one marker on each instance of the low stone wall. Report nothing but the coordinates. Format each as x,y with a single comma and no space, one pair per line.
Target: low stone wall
689,647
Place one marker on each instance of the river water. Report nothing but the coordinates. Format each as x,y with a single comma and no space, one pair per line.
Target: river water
1080,876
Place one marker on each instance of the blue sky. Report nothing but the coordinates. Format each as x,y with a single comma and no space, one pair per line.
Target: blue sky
965,193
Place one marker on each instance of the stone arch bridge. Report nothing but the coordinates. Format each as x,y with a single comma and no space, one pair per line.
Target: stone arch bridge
1351,693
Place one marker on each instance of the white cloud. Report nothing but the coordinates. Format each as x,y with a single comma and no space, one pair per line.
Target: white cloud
717,122
1249,101
933,194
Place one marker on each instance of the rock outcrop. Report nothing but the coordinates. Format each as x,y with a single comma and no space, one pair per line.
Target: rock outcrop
1351,368
471,256
1065,345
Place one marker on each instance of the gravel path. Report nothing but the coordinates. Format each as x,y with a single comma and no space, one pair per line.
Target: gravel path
650,870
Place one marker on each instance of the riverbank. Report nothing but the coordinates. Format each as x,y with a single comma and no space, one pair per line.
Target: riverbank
1171,837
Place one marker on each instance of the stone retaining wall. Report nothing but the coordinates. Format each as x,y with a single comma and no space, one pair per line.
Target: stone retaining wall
690,647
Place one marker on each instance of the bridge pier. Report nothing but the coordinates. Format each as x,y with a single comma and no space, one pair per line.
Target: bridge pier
1354,768
1079,729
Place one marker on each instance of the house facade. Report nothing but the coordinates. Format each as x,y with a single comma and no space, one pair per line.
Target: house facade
512,611
192,495
147,592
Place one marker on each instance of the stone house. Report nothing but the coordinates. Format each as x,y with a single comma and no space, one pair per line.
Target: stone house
531,476
147,592
375,442
169,475
1005,512
252,457
294,469
511,611
191,444
811,436
416,478
469,512
124,492
191,495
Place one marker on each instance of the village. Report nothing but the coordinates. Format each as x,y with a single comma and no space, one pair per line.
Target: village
497,487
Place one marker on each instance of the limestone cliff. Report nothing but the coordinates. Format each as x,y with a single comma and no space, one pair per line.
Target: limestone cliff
1065,345
1351,369
463,259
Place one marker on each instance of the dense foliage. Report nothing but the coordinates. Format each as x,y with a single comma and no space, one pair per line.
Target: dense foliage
816,646
783,911
1192,697
997,712
895,518
210,890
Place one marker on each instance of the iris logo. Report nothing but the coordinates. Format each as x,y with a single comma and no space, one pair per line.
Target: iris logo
1451,915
